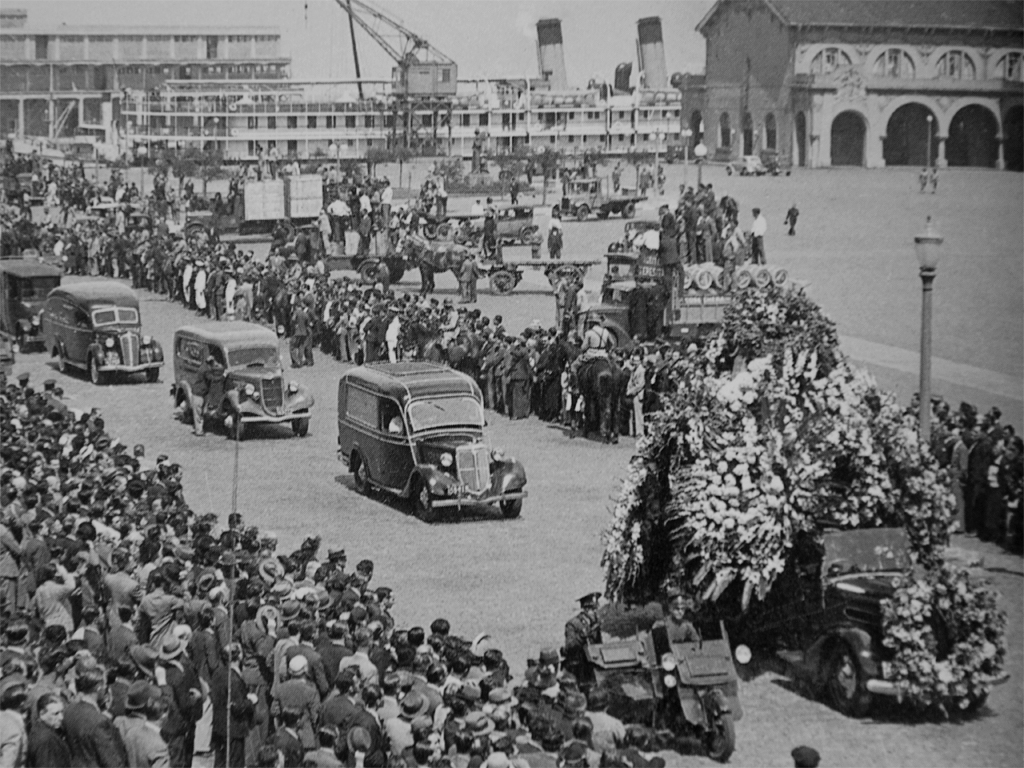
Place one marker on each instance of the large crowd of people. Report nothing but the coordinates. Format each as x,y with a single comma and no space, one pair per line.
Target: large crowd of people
137,633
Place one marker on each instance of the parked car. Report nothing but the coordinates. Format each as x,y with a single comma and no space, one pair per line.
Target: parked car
24,286
415,430
586,196
96,326
254,390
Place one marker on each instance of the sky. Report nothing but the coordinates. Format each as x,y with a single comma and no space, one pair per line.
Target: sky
486,38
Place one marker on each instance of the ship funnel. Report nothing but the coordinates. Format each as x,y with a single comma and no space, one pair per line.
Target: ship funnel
651,50
550,56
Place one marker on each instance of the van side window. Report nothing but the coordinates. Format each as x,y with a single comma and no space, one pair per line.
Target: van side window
362,407
391,418
81,317
190,349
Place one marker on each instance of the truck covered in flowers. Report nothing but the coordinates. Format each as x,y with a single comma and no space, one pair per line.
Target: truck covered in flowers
760,489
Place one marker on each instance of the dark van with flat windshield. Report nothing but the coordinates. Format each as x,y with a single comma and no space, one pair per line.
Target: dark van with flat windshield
416,430
24,286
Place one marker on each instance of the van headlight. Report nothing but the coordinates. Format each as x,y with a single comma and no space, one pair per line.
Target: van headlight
293,387
668,662
669,681
249,390
109,343
147,340
446,460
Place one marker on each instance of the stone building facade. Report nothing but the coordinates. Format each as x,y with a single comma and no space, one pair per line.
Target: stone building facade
862,82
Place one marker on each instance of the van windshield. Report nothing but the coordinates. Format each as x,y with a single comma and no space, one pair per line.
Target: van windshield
265,357
445,412
112,315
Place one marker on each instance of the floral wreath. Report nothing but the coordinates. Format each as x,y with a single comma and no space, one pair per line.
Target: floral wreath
948,635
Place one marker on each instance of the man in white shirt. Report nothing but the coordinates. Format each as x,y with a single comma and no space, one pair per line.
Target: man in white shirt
339,213
386,196
757,231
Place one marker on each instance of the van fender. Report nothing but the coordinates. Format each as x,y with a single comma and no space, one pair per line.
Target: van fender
96,349
437,481
860,643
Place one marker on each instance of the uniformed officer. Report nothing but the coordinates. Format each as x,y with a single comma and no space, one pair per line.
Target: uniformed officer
678,607
580,631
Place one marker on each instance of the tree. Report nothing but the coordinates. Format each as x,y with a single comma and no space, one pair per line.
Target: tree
210,167
183,165
373,157
550,162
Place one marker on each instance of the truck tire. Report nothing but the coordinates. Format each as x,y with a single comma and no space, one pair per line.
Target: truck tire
444,229
629,210
526,234
368,272
194,229
502,283
583,213
721,738
430,230
845,686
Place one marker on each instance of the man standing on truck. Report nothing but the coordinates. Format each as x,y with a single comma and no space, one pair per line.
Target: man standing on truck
555,238
757,232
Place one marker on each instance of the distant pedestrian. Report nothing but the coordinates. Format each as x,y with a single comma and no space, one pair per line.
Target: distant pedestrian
933,178
757,232
791,216
923,179
555,239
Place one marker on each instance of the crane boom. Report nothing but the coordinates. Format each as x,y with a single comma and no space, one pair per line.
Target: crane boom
411,44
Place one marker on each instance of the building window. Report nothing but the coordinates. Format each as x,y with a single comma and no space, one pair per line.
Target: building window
389,121
1009,67
252,123
368,121
552,139
464,120
571,138
724,131
311,121
330,121
485,119
350,121
272,123
829,60
446,75
252,148
293,147
957,65
427,120
769,132
895,63
292,121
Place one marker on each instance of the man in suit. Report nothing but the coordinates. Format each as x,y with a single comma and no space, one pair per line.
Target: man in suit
124,590
46,745
185,697
91,737
140,727
340,709
299,694
241,705
122,636
317,671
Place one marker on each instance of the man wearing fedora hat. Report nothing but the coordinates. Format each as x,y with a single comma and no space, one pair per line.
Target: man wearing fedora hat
241,706
185,697
399,729
140,725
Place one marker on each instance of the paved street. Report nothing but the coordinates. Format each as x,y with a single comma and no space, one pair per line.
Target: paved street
518,580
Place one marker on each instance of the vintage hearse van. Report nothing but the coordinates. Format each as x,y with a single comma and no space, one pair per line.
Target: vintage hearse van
415,430
24,286
96,326
254,390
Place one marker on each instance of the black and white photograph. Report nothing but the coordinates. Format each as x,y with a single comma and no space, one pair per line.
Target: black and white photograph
511,383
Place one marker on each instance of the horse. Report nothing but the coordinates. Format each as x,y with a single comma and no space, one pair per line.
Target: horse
601,384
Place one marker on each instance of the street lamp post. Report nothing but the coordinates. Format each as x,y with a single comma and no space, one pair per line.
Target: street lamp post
700,152
686,135
928,159
926,246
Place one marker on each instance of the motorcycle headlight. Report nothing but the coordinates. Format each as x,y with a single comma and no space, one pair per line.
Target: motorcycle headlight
249,390
147,340
743,654
497,454
668,662
670,681
109,343
293,387
446,460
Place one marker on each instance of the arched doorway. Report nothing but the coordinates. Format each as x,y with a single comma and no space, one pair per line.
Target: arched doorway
697,126
724,131
770,133
848,131
1013,138
801,139
748,134
972,138
907,136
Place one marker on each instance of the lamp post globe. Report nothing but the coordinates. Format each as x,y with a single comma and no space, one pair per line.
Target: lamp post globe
926,247
700,152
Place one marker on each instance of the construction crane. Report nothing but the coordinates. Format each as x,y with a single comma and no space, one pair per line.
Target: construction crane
421,69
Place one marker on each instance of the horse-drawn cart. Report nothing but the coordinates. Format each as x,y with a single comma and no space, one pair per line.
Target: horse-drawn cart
506,270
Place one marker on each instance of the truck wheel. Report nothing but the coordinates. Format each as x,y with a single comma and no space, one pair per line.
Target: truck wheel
721,738
423,504
430,230
96,376
602,215
526,234
368,272
582,213
152,375
195,229
300,427
845,685
629,210
502,283
360,477
444,230
510,509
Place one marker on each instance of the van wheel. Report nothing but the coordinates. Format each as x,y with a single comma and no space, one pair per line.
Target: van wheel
96,376
152,375
629,210
845,685
300,427
582,213
361,478
510,509
423,503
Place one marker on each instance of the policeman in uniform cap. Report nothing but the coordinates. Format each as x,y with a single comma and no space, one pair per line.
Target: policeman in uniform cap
580,631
